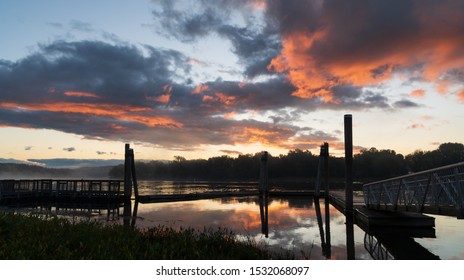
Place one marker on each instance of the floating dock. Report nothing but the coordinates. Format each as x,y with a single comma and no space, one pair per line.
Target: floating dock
216,195
375,218
380,218
63,190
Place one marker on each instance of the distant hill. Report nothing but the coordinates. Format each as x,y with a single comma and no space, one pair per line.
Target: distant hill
25,171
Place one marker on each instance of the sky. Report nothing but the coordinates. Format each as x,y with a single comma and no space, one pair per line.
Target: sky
205,78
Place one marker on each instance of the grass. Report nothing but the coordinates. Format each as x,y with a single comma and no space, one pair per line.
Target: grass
34,238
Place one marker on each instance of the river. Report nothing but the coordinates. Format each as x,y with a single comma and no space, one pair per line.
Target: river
306,228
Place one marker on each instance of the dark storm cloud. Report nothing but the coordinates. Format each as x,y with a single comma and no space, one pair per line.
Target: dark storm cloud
254,45
187,24
405,104
90,66
255,49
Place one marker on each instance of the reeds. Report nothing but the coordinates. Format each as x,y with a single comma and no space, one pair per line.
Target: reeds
33,237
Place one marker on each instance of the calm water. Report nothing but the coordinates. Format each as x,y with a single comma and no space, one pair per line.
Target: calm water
307,227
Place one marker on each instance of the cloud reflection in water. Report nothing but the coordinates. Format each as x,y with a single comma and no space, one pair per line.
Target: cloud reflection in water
292,223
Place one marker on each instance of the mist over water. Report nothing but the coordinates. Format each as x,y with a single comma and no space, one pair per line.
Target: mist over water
26,172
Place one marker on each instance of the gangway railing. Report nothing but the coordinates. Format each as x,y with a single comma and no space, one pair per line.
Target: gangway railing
435,191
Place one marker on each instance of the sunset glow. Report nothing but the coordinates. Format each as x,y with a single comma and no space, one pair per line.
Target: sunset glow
220,78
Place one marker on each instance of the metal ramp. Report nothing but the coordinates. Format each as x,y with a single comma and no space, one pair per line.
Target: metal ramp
435,191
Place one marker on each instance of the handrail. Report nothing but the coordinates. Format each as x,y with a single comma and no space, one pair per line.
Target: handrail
436,191
459,164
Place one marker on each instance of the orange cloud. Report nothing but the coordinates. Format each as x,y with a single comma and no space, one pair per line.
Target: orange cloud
119,112
165,97
80,94
220,97
230,115
269,137
315,79
309,80
316,61
460,95
417,93
258,4
201,88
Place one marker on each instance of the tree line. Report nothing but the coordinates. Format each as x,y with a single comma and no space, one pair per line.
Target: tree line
369,165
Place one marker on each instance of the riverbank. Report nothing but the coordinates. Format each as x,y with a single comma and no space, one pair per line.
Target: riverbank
35,238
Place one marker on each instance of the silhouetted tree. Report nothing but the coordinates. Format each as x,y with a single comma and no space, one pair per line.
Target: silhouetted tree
377,164
447,153
368,165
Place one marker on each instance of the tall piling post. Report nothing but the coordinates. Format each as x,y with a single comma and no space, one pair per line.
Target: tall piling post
127,173
264,194
319,172
264,175
326,169
348,121
133,174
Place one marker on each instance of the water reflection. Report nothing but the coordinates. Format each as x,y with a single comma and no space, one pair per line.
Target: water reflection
387,247
350,248
301,225
309,228
264,213
109,212
384,243
325,238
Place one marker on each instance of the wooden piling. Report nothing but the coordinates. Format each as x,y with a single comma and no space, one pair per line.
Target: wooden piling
264,175
127,173
350,248
133,175
319,173
328,248
348,165
326,169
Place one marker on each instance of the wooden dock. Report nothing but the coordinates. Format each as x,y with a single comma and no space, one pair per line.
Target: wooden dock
337,199
14,191
375,218
192,196
64,190
216,195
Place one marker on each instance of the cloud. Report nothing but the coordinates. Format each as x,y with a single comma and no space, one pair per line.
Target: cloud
416,126
117,92
231,152
74,163
405,104
326,44
460,95
28,148
254,44
81,26
417,93
297,57
15,161
70,149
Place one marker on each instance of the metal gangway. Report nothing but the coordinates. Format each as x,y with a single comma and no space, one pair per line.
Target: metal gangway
435,191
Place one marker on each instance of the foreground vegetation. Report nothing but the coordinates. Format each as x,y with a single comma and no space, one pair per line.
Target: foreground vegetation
32,237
